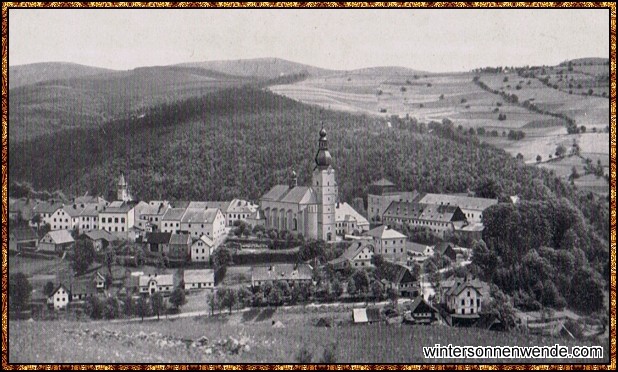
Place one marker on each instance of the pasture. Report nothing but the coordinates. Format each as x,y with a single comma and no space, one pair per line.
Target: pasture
68,342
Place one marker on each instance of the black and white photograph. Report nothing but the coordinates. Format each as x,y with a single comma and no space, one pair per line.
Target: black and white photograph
309,186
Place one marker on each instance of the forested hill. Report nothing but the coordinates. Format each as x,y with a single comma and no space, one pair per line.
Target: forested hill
239,142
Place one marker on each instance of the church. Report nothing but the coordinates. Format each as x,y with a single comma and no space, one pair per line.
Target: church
307,210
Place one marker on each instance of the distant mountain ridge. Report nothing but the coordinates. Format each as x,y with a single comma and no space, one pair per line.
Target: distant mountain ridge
260,67
34,73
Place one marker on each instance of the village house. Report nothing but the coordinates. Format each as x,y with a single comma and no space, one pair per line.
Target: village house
348,221
45,210
23,239
462,296
148,217
381,194
201,249
154,283
446,249
290,273
389,243
56,241
439,219
88,219
99,281
422,312
59,298
61,219
170,222
157,242
82,290
357,255
179,247
100,239
204,221
238,210
199,279
118,218
400,278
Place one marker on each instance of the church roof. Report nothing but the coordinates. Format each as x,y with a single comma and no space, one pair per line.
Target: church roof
296,195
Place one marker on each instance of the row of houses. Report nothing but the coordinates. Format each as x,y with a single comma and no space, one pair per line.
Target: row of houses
139,283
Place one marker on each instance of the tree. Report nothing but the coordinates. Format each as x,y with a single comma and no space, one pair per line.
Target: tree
336,288
111,308
361,281
275,296
157,304
20,291
129,306
178,298
538,158
213,302
143,307
377,290
586,290
94,308
228,298
37,219
83,256
393,295
48,290
501,306
110,259
351,287
560,151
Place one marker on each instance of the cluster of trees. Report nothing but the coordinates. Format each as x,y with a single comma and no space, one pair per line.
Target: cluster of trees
516,135
539,252
127,306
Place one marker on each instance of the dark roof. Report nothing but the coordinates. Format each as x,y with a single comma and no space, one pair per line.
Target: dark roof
180,239
442,213
100,235
24,234
442,247
418,301
404,209
464,202
373,315
157,238
118,207
395,273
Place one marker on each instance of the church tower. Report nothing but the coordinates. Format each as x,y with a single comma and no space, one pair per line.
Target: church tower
123,189
326,190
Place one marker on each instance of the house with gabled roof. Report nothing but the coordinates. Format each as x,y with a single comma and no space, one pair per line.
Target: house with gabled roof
389,243
381,194
100,239
462,296
59,298
399,278
348,221
56,241
202,249
471,207
117,218
83,289
149,217
204,221
45,210
23,239
446,249
179,247
154,283
170,222
199,279
156,242
422,312
238,210
357,255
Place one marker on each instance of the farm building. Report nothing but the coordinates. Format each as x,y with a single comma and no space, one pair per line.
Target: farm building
56,241
100,238
23,238
471,207
199,279
358,254
364,315
151,284
400,278
300,273
422,312
59,297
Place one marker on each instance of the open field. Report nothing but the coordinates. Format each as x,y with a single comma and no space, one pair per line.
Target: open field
68,342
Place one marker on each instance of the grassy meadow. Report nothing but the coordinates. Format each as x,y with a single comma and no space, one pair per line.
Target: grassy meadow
55,342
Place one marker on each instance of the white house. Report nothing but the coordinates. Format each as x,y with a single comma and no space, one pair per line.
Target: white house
56,241
389,243
462,296
199,279
358,255
154,283
118,218
59,298
238,210
209,222
61,219
201,249
348,221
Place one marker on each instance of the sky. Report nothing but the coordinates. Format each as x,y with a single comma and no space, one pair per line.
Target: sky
434,40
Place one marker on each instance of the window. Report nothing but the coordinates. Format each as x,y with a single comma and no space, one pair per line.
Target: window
463,302
116,220
122,220
468,293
